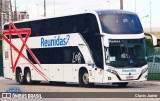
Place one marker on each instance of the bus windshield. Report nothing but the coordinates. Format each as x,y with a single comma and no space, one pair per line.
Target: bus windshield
127,52
121,24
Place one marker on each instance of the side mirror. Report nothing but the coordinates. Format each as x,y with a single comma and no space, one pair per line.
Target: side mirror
106,54
106,41
153,37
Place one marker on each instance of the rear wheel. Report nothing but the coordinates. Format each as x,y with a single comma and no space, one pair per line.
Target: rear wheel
28,78
20,77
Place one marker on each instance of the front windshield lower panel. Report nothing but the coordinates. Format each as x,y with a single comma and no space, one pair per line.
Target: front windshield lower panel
120,24
127,53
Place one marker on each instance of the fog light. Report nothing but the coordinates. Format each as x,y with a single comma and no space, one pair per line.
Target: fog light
146,76
109,78
144,70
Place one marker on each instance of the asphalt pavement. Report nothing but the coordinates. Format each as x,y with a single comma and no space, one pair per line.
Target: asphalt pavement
145,86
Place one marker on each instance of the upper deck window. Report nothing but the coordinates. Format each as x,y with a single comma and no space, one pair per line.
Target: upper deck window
120,24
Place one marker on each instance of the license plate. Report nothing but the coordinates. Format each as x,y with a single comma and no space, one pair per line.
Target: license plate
129,77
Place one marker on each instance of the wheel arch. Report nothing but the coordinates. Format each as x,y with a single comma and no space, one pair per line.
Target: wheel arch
82,69
27,68
18,69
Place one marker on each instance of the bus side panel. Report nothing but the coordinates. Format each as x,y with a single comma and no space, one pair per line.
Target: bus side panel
68,72
41,73
98,75
56,72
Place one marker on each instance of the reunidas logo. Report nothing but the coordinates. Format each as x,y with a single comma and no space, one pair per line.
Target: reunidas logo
55,41
128,70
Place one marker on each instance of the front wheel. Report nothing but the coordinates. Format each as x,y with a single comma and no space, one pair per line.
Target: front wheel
84,79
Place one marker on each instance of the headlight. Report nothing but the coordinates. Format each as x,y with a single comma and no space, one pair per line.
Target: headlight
144,70
112,71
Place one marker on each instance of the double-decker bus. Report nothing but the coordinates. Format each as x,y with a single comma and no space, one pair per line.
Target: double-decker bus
106,46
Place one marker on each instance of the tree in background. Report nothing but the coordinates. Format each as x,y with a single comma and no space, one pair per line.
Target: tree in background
149,43
0,35
0,50
0,44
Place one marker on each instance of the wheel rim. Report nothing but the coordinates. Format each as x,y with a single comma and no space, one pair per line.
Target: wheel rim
85,78
28,77
20,77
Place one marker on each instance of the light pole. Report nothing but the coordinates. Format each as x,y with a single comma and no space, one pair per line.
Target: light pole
0,15
144,17
121,4
37,11
54,7
135,6
108,4
150,16
44,8
10,3
15,13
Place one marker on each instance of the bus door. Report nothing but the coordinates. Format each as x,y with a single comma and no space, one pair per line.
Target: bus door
6,64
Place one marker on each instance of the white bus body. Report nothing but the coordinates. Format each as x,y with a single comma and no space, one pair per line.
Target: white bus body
85,48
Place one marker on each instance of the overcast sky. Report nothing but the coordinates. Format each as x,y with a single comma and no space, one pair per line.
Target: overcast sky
63,7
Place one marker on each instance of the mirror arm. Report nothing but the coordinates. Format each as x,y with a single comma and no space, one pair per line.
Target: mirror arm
147,34
154,39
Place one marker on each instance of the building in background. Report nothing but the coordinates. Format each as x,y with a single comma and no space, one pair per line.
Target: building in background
5,11
4,18
21,15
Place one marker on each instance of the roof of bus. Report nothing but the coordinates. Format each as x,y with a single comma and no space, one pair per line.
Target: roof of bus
114,11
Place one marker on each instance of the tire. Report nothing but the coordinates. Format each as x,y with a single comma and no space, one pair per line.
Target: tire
27,76
84,80
123,84
19,77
